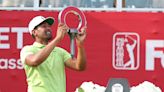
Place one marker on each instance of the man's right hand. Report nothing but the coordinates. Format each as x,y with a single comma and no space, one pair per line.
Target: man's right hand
61,31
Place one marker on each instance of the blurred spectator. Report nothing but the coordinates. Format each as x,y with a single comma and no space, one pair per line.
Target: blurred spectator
61,3
8,3
97,3
51,3
0,2
30,3
12,3
55,3
84,3
27,3
158,3
115,2
75,3
40,2
104,3
18,3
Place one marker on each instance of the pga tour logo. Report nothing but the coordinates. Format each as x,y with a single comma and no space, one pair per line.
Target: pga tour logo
126,50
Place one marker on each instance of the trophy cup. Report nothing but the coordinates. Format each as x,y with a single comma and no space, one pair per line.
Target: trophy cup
72,32
118,85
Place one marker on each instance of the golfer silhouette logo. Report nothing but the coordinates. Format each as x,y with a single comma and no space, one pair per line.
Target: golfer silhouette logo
126,51
130,49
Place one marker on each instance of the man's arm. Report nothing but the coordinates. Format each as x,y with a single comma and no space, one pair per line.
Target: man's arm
79,63
40,56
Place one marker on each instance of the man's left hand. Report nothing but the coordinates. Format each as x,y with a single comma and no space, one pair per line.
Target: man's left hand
81,36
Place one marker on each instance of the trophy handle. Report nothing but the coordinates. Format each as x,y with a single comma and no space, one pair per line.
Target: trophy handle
72,34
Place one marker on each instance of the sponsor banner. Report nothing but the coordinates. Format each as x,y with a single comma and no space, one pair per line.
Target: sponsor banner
118,44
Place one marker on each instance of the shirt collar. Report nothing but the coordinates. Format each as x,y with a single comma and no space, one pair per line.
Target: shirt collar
36,44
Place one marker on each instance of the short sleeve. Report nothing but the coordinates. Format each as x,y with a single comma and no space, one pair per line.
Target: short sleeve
24,53
66,55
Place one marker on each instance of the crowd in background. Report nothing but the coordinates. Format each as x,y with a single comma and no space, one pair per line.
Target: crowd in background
84,3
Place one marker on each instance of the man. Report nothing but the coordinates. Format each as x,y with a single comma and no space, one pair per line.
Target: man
44,62
123,3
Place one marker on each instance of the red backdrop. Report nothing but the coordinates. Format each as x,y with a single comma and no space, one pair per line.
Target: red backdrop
99,47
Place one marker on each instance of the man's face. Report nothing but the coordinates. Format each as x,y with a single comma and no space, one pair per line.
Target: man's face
43,31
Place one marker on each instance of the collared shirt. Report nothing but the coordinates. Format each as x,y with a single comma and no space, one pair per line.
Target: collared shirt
49,76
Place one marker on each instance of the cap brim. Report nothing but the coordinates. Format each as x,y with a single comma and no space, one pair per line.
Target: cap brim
49,20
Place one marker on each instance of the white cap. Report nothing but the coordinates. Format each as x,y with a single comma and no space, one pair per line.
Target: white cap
38,20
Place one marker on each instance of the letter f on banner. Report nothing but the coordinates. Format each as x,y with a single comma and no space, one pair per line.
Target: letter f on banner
151,53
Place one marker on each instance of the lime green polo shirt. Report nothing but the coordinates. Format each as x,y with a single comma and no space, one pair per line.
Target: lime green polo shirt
49,76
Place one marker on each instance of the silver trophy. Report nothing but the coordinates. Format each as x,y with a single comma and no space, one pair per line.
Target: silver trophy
117,88
118,85
72,32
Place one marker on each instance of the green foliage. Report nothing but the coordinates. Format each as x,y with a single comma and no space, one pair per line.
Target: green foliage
80,90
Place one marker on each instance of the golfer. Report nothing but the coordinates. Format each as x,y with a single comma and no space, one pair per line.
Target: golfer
44,62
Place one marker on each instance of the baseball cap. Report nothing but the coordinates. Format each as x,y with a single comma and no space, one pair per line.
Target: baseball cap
38,20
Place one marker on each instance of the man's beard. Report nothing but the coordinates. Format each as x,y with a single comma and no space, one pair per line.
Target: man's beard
49,35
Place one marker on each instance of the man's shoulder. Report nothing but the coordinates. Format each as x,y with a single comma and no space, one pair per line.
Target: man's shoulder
28,48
